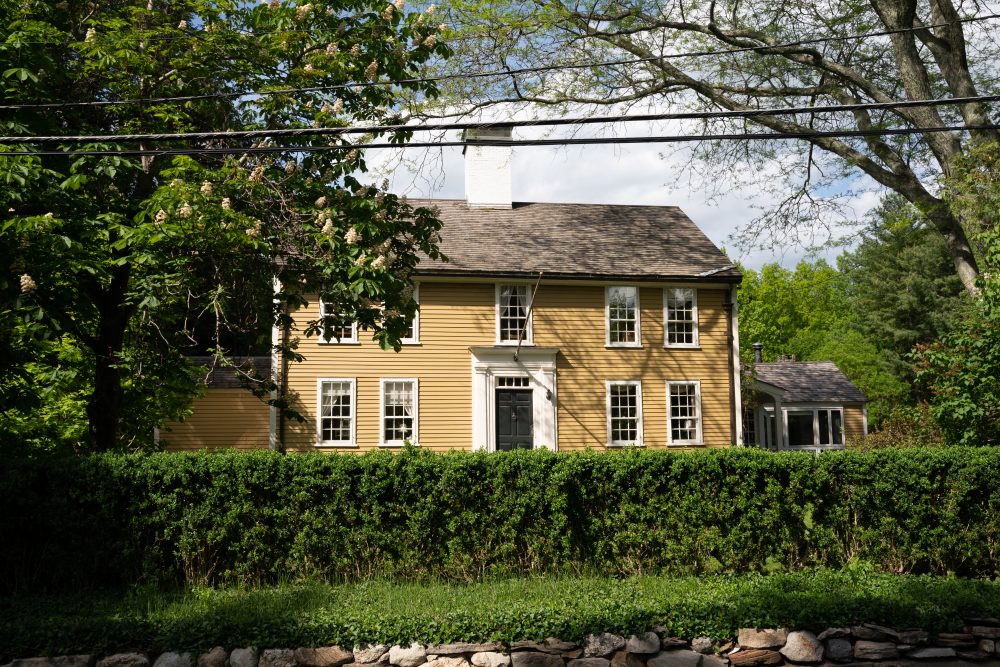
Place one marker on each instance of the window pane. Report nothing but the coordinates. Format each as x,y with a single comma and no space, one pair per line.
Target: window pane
621,314
336,412
683,413
339,330
680,316
624,413
513,312
824,427
800,429
838,426
398,414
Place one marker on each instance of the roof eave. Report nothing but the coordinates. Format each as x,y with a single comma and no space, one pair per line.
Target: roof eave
723,277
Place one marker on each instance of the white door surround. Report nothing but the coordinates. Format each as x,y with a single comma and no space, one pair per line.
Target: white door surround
535,363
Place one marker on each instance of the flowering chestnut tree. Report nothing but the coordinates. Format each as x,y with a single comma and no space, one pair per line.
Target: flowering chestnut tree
137,258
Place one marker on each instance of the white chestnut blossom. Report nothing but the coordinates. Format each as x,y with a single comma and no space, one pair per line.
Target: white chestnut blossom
399,4
91,35
309,69
226,204
320,203
274,4
360,261
430,41
338,107
28,284
206,189
161,217
254,232
328,227
257,175
352,155
356,50
331,49
185,210
442,27
378,262
430,10
182,25
352,237
290,167
302,11
371,71
388,12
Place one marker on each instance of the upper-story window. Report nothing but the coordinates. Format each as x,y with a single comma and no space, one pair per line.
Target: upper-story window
341,331
680,305
621,305
513,314
412,335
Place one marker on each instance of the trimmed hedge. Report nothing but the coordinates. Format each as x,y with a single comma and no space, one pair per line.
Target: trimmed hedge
253,518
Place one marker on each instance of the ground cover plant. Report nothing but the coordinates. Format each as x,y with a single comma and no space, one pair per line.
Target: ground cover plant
262,518
375,611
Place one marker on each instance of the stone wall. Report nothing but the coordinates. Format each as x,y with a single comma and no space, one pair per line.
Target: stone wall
856,646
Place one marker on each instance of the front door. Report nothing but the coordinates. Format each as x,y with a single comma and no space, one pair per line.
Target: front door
514,419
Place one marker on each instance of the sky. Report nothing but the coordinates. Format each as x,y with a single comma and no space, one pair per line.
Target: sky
609,174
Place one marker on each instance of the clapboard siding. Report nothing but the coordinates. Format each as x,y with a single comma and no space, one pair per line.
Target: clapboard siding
457,316
229,418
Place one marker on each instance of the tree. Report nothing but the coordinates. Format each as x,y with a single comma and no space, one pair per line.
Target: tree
762,55
900,282
136,260
806,313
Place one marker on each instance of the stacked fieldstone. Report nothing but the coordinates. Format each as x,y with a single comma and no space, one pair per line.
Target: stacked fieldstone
861,645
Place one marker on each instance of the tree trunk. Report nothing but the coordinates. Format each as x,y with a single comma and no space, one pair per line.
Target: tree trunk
104,407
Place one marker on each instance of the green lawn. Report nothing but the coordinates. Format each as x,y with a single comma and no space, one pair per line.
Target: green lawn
377,611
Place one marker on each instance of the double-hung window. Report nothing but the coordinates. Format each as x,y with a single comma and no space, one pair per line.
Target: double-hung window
821,427
621,305
412,335
624,408
680,314
684,413
335,417
399,411
513,314
339,329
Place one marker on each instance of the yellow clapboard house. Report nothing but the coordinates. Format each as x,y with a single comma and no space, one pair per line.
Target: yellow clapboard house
559,326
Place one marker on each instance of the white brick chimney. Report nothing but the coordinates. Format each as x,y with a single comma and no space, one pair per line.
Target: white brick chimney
487,169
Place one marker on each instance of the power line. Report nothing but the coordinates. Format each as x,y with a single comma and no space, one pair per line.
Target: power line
428,127
762,136
495,73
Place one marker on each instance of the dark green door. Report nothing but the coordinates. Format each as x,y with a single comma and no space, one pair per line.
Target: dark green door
514,420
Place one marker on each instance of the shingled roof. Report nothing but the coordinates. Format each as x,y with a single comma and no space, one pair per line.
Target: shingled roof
575,241
812,381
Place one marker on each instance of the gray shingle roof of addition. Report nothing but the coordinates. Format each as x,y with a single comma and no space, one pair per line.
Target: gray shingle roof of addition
575,241
813,381
222,377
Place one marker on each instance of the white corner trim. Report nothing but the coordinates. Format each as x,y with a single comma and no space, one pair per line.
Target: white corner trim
737,388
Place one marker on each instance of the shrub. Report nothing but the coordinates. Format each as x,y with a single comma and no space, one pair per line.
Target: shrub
252,518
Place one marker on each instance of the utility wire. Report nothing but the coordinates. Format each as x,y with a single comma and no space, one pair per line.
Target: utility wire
479,125
762,136
497,73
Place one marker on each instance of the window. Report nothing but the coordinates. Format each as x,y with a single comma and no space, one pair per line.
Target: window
684,413
624,404
399,411
513,309
681,316
335,417
622,310
412,335
749,425
341,331
822,427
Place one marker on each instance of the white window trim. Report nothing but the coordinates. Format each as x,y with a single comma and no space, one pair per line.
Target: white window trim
415,340
700,437
607,318
638,404
381,412
528,330
353,340
694,315
815,415
353,442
